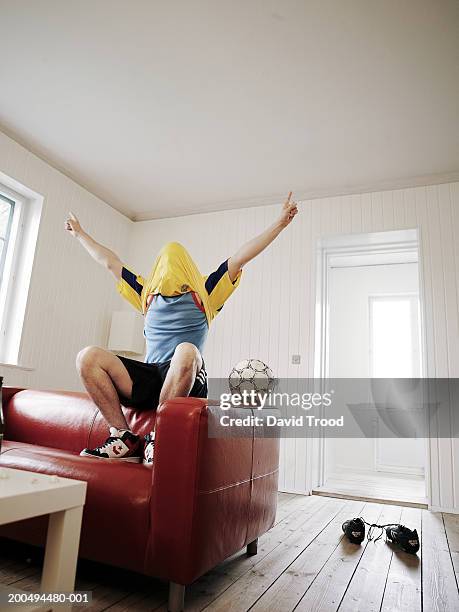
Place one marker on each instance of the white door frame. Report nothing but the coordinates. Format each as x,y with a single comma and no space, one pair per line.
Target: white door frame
399,246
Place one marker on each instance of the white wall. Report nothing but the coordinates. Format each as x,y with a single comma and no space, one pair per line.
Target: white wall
272,314
70,298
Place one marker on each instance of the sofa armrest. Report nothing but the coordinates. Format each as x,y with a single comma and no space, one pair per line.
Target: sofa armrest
210,496
7,394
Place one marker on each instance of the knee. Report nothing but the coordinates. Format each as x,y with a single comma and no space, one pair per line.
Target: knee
186,356
88,358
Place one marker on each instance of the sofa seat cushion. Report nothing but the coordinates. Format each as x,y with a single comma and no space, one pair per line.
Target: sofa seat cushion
117,510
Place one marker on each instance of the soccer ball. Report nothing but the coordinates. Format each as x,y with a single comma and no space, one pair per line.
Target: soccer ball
251,375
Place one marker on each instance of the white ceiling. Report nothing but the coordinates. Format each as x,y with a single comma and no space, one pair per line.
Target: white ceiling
175,107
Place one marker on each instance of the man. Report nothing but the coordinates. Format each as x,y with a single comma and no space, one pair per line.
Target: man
178,304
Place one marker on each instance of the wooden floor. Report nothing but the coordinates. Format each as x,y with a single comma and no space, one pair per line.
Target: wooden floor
302,564
381,487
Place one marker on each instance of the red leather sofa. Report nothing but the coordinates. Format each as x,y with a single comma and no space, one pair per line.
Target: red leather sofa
203,500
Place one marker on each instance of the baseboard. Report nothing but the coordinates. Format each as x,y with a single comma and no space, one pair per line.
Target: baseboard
344,469
441,509
294,491
400,471
372,499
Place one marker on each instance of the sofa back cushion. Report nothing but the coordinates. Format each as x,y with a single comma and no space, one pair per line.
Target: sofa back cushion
63,419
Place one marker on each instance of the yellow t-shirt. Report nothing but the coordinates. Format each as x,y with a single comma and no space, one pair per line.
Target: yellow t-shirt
174,273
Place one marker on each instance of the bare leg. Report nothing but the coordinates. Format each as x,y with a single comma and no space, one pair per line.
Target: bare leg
185,364
103,374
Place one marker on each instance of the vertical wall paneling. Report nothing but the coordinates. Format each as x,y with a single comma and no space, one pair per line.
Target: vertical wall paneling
71,298
272,314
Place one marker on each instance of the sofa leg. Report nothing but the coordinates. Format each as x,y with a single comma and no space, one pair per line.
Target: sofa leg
176,597
252,548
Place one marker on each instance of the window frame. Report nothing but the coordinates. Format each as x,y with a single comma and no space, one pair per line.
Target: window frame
6,238
11,267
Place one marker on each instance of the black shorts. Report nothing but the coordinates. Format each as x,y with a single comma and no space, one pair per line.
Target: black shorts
148,379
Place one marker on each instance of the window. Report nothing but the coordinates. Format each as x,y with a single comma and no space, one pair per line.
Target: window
20,212
394,336
11,220
6,220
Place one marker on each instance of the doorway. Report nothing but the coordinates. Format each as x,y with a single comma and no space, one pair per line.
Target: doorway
370,322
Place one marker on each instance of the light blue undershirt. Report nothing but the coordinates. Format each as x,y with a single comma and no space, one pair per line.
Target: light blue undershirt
170,321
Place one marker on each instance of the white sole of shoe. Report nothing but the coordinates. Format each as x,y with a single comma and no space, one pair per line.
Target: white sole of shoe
128,459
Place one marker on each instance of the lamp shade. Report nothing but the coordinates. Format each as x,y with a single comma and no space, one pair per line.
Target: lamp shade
126,333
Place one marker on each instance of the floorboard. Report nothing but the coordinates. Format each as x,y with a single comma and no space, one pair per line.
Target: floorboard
304,563
366,588
439,584
291,585
452,533
403,589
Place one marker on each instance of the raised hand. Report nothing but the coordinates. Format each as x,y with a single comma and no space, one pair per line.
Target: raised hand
72,225
289,210
255,246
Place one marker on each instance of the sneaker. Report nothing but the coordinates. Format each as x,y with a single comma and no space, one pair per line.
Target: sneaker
405,538
122,444
354,530
149,448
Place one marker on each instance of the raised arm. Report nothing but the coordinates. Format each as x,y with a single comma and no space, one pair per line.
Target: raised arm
101,254
255,246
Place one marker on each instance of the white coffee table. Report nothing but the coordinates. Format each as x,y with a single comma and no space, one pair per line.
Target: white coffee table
26,495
